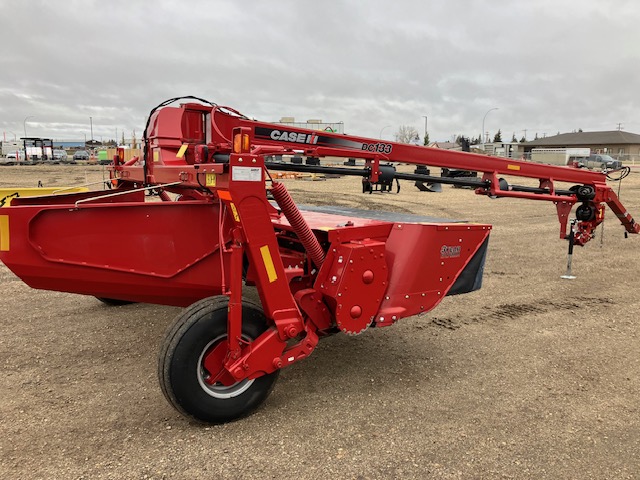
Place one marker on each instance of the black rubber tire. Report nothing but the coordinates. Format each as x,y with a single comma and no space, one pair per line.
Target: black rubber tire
585,212
180,373
585,193
114,302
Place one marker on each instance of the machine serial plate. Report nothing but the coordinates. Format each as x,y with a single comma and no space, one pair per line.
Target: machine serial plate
246,174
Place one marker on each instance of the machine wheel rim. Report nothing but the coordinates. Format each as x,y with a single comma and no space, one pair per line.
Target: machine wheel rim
217,390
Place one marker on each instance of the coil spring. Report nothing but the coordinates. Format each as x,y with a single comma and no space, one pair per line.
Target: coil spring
300,227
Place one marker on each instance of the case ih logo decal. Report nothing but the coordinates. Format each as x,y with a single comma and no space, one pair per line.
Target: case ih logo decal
294,137
312,138
450,252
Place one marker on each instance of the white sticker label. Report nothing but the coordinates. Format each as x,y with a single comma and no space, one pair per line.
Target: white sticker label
246,174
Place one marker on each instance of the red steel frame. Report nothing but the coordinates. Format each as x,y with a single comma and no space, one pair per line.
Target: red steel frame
316,273
219,122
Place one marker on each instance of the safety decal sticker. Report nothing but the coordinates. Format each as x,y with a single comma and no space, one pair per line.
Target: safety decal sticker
268,263
4,233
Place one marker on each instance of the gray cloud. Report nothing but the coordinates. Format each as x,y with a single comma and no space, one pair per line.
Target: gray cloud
548,65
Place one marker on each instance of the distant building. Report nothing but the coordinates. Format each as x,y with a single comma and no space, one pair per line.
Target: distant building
11,146
616,143
501,149
445,145
313,124
67,145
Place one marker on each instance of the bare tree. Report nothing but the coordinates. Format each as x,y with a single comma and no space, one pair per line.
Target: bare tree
406,134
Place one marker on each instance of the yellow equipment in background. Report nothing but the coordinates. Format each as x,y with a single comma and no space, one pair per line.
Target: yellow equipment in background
6,194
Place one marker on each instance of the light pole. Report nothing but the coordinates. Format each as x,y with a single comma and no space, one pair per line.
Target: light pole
25,124
382,129
425,127
485,116
24,142
91,123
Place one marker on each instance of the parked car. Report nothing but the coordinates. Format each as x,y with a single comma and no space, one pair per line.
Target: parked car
13,157
59,155
16,155
81,155
600,161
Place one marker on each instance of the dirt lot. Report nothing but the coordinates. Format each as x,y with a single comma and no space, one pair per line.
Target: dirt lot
530,377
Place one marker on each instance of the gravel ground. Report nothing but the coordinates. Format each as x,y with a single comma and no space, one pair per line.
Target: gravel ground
530,377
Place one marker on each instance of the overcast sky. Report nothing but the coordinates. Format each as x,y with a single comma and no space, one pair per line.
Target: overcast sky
547,65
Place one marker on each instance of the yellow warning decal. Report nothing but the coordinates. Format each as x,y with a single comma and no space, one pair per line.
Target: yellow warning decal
183,149
236,217
156,156
513,167
210,180
268,263
4,233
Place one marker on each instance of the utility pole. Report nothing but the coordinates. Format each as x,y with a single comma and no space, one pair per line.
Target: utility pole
483,118
25,124
91,123
425,126
619,126
24,140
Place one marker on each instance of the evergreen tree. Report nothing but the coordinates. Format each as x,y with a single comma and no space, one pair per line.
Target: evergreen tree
498,137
